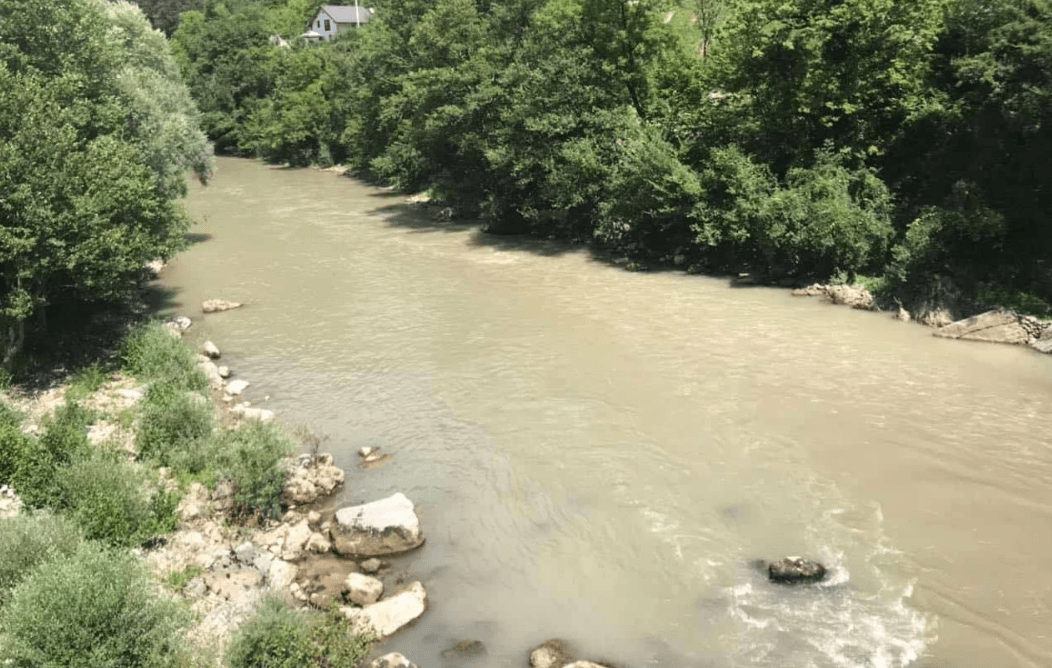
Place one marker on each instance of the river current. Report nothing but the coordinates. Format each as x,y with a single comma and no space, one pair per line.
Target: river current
600,455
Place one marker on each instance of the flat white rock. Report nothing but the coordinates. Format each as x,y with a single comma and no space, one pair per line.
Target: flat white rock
391,614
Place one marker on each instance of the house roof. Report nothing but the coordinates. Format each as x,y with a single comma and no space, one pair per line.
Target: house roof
347,14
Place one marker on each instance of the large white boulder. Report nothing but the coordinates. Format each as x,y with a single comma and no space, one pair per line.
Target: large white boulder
234,387
386,617
387,526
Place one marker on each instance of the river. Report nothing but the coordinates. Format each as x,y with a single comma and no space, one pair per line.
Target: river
599,455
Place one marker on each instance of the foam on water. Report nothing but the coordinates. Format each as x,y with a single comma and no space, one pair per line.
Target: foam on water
836,624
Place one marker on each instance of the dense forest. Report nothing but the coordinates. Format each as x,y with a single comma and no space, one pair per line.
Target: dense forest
97,133
901,143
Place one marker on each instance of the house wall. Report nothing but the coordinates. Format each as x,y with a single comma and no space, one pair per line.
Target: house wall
318,25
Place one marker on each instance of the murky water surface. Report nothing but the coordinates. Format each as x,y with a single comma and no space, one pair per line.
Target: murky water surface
599,455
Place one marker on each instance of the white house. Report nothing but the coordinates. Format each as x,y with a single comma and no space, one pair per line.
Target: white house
331,20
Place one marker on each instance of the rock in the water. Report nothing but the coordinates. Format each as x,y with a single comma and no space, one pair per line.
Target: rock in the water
263,415
216,305
552,654
391,614
1043,344
210,349
371,566
392,660
465,648
903,315
387,526
793,570
179,323
224,372
365,451
994,326
235,387
362,589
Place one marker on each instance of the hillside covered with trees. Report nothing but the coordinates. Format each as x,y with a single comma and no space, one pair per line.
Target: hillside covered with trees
902,143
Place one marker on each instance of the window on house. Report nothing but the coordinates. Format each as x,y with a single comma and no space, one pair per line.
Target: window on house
317,24
327,25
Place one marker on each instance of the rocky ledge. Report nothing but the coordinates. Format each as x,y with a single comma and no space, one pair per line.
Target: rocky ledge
1001,326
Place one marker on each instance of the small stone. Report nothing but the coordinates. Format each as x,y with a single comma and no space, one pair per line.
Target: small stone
366,451
552,654
903,315
217,305
362,589
246,552
392,660
318,544
371,565
211,350
235,387
211,372
313,517
224,372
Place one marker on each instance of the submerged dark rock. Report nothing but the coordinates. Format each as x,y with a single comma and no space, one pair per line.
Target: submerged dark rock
795,570
465,648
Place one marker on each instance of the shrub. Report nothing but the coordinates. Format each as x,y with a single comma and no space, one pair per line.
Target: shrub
37,461
282,638
29,540
91,610
151,353
824,219
107,498
9,415
252,457
175,428
15,452
85,381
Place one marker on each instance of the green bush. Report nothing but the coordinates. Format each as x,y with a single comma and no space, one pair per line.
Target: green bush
37,461
15,452
824,219
151,353
92,610
175,428
107,498
282,638
29,540
85,381
252,458
9,415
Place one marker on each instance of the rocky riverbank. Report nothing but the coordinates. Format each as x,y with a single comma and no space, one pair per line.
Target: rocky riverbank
311,558
997,326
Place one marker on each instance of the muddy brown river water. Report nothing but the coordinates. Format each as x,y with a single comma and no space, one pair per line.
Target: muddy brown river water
599,455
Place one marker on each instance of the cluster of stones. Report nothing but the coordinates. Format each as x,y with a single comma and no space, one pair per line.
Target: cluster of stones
854,296
219,375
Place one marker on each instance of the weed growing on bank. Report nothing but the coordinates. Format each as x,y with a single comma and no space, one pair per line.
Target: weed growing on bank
93,609
175,428
282,638
251,457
